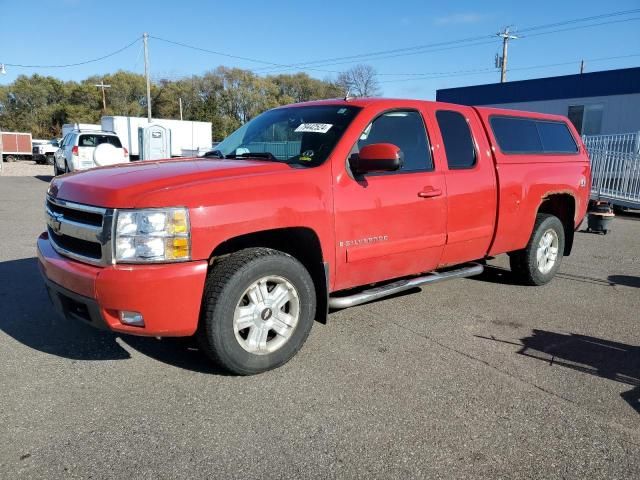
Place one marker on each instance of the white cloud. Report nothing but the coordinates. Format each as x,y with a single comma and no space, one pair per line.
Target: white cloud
460,18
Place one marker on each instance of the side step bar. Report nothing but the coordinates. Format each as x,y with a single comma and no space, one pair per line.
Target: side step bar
468,270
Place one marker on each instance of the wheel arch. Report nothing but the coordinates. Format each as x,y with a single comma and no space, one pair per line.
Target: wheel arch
563,206
301,243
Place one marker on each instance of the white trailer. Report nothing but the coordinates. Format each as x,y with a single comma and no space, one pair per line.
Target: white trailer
187,138
68,127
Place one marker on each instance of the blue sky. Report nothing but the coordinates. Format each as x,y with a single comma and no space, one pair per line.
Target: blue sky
288,32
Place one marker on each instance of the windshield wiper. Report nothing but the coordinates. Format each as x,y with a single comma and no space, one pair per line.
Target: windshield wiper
267,155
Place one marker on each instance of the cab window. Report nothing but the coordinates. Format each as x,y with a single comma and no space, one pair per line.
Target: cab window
458,143
405,129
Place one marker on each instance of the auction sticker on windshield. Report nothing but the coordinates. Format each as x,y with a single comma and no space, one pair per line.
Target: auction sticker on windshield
314,127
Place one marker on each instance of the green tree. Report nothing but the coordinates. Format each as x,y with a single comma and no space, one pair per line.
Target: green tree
226,97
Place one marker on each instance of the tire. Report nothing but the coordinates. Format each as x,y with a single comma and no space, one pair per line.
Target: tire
49,160
525,264
9,159
273,289
66,167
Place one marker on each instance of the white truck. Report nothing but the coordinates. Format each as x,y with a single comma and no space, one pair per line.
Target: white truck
187,138
44,150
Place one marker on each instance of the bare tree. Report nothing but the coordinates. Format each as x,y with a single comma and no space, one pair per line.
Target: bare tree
359,81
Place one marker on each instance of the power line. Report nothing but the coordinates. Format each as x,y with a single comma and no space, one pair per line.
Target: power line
477,43
385,52
480,71
215,52
486,42
371,56
454,73
580,27
292,66
93,60
362,56
579,20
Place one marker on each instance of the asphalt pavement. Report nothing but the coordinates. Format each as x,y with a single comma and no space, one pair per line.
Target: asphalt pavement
474,378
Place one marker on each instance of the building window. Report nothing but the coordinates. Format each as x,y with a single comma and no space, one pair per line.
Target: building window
587,118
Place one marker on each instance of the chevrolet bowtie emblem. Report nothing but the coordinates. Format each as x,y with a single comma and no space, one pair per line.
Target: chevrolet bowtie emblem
56,222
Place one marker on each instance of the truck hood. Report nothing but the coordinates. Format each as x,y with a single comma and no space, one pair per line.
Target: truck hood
125,185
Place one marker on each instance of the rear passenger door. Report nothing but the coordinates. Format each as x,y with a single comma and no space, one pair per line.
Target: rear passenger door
471,183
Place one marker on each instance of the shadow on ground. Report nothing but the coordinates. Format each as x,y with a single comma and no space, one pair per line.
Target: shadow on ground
625,280
504,276
44,178
602,358
28,317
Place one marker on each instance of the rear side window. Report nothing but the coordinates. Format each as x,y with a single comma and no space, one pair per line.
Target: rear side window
458,143
526,135
93,140
555,137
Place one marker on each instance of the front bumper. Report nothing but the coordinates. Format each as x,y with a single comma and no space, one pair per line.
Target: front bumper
168,296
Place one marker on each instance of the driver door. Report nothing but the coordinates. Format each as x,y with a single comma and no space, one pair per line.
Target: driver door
390,224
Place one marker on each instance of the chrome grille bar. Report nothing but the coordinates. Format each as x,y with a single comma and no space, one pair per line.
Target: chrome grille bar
78,231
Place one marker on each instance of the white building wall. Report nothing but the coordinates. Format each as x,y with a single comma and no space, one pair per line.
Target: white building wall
621,113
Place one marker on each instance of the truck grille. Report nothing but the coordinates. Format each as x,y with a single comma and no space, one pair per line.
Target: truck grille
81,232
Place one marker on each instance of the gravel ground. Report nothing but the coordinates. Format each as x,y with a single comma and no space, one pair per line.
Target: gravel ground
25,168
475,378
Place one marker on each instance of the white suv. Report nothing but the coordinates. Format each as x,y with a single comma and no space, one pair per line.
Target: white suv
83,149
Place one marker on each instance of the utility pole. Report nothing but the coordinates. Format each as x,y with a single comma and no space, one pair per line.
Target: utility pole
180,103
506,36
581,66
145,41
102,86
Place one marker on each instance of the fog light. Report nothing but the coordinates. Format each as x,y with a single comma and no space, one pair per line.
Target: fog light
132,318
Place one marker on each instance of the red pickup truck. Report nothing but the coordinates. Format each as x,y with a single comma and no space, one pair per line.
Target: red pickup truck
310,207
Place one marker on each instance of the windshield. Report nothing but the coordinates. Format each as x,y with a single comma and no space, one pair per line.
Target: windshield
297,135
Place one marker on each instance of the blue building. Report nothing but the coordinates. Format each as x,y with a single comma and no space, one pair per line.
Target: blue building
605,102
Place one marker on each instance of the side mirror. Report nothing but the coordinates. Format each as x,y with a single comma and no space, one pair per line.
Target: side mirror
377,157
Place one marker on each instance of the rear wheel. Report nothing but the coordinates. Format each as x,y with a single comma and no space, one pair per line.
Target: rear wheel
258,309
539,261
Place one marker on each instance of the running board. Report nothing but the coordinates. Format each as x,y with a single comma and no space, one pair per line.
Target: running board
469,270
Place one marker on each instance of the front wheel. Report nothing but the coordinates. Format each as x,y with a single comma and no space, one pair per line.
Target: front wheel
258,309
539,261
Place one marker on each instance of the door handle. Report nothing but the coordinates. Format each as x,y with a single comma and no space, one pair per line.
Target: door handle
430,193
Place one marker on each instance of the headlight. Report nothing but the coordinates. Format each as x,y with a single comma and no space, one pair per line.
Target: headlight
152,235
